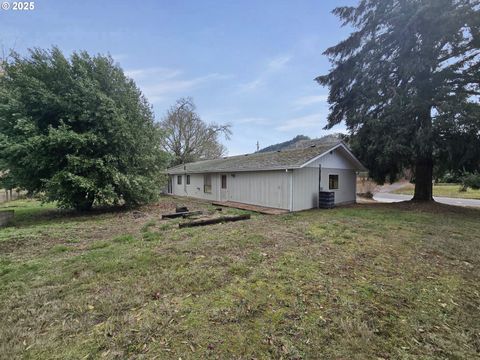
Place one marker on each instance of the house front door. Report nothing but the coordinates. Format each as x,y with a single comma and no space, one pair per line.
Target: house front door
223,187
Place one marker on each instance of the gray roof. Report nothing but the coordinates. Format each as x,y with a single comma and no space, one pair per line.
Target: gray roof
276,160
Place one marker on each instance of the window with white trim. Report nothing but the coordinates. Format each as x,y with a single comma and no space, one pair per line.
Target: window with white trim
207,184
333,182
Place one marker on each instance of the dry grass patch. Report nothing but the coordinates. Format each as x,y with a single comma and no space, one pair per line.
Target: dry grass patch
366,281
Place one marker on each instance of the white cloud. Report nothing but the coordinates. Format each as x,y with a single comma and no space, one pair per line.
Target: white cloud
305,101
158,83
252,85
316,120
278,63
119,57
274,65
251,120
158,72
313,122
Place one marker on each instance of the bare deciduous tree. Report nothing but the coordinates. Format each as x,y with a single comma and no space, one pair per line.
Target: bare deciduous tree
188,138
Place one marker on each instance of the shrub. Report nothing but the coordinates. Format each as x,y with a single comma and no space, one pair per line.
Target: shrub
450,178
471,181
78,131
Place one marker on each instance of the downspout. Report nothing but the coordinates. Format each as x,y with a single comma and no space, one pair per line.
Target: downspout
356,177
291,189
185,180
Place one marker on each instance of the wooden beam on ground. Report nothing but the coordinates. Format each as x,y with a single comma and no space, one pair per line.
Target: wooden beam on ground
218,220
181,214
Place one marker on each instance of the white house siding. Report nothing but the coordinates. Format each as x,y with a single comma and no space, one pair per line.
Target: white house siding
293,190
195,189
305,188
347,182
335,159
305,180
263,188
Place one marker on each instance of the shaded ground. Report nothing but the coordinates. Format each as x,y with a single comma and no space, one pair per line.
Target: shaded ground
366,281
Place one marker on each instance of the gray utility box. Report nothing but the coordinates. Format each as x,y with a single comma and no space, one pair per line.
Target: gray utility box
326,199
5,217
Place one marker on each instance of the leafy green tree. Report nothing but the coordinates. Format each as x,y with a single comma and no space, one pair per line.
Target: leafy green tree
407,74
77,131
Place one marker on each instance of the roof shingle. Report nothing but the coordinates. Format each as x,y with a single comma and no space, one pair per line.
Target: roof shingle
277,160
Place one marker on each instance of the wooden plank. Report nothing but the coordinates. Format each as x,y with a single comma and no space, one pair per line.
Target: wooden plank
181,214
218,220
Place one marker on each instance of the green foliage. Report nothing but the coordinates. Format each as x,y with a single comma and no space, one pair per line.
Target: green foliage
457,139
450,178
405,82
471,181
77,130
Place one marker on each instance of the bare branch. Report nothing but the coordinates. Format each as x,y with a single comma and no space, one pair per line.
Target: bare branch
188,137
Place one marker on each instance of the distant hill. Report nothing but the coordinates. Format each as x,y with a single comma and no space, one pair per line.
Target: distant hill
302,141
285,144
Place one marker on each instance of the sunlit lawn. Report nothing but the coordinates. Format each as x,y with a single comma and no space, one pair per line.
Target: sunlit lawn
445,190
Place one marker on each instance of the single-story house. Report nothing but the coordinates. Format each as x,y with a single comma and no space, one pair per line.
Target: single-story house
289,179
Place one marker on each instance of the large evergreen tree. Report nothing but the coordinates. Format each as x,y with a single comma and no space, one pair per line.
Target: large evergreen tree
77,131
407,75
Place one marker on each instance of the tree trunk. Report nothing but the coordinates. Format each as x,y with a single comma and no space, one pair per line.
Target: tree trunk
424,145
84,203
423,180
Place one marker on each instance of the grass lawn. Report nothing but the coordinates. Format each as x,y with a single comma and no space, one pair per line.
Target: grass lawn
446,190
366,281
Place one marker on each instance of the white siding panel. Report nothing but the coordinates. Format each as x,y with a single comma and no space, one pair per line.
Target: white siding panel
347,183
279,189
264,188
195,189
336,159
305,180
305,188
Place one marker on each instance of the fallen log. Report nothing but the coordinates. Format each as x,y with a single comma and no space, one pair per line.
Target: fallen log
218,220
181,214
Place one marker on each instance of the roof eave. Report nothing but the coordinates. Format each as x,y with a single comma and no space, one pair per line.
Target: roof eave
218,171
359,165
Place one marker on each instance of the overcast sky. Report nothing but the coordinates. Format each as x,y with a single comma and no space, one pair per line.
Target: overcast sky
247,63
